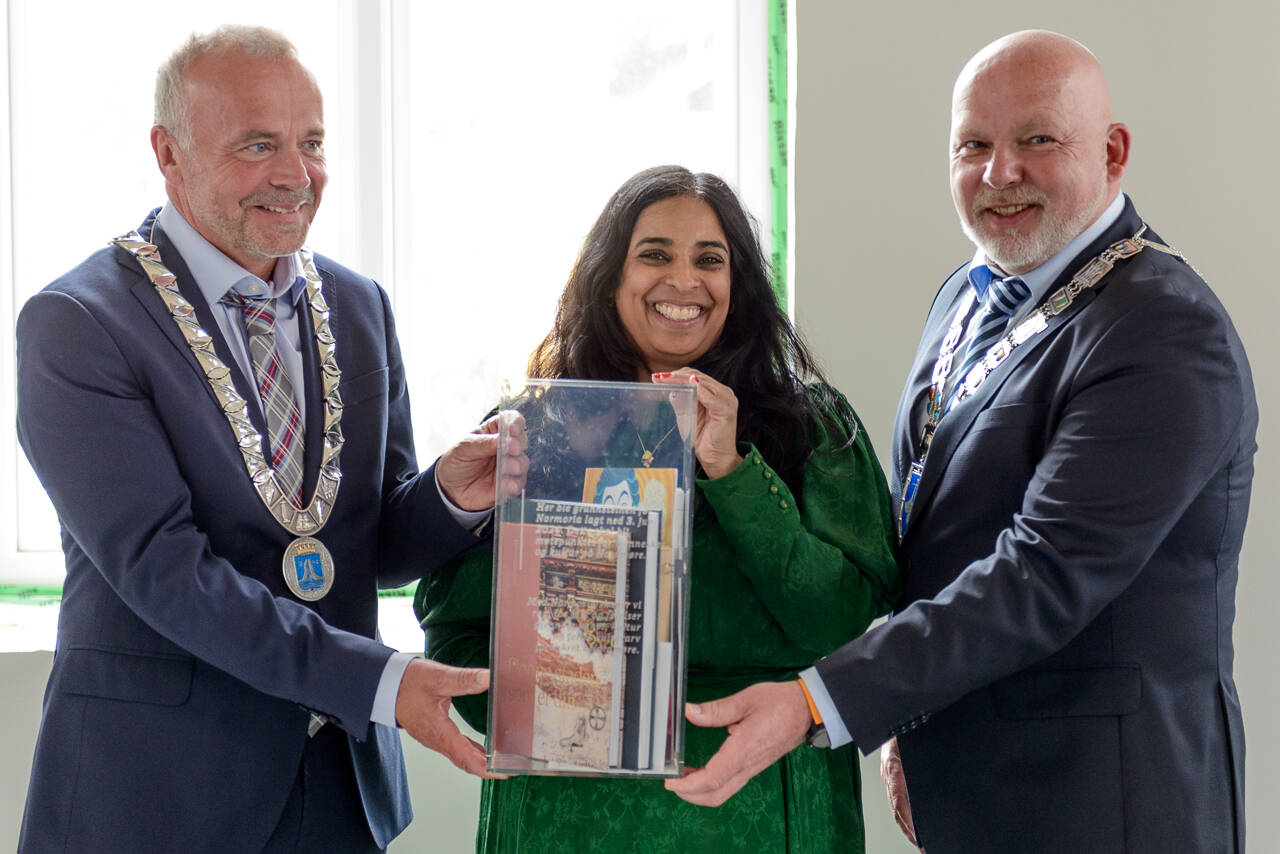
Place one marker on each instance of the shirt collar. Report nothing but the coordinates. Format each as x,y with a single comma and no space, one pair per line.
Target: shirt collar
215,273
1038,280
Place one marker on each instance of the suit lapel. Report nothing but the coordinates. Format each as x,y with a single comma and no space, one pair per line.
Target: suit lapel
145,293
907,422
312,385
955,425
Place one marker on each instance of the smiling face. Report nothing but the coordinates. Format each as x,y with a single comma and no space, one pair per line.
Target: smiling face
673,294
1035,158
251,176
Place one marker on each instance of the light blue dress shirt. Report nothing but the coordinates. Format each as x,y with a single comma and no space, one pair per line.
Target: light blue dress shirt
1038,280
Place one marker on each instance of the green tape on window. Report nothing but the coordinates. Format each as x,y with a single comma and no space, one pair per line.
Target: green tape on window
778,134
16,594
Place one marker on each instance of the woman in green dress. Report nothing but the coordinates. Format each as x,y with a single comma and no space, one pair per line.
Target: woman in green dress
792,547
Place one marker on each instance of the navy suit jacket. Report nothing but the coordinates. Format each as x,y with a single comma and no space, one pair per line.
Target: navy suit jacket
173,719
1059,674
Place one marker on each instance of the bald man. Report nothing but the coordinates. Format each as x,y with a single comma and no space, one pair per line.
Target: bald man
1072,462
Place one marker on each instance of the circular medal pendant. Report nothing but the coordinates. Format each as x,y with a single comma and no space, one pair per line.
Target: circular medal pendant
308,569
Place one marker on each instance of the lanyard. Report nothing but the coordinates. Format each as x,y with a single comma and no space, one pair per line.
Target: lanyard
1035,323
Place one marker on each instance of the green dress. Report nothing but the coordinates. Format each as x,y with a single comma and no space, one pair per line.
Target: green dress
775,584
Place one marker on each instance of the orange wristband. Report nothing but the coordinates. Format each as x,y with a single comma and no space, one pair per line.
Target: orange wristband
813,709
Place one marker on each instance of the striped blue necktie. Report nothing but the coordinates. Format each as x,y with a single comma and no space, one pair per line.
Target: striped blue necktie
1002,301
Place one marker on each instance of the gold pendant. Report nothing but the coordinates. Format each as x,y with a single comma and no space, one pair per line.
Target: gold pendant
646,459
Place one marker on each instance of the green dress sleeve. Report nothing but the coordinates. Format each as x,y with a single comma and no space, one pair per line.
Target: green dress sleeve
452,606
825,567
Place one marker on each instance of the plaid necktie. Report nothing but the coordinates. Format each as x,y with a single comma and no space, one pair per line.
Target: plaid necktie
1003,298
284,419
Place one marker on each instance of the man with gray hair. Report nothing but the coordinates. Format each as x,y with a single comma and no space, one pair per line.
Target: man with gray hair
1073,457
220,418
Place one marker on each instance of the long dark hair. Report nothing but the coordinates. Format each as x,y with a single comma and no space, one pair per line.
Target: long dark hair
758,354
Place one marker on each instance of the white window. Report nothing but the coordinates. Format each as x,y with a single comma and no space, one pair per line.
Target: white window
80,171
470,147
510,130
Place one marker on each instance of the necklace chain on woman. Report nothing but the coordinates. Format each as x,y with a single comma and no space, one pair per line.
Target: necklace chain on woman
646,458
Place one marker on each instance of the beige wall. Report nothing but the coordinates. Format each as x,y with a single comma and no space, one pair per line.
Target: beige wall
23,675
875,232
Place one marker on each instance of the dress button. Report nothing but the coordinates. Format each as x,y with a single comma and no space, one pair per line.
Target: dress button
773,488
782,504
768,474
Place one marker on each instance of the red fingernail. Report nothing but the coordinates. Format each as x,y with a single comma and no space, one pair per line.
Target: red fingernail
696,378
661,375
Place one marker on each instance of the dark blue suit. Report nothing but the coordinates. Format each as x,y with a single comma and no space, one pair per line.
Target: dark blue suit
173,717
1060,673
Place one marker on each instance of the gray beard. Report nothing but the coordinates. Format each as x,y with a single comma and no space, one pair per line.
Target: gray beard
1025,252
